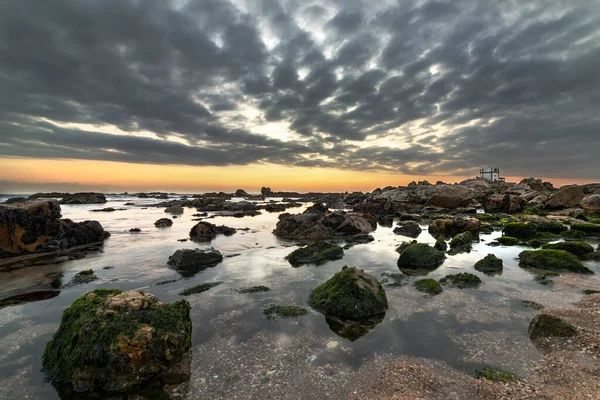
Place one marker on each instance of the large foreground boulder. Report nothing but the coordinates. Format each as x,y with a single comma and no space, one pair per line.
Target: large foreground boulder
454,196
566,197
552,260
205,231
83,198
190,261
318,223
35,226
420,256
316,253
350,293
110,340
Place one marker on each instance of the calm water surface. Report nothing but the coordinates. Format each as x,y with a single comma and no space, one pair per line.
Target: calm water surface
465,328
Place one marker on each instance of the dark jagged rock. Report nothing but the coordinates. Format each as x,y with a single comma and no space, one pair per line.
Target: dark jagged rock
408,228
135,230
276,207
581,250
545,326
453,226
205,231
506,203
350,293
190,261
112,341
316,253
15,200
163,223
317,223
489,264
552,260
420,256
266,191
240,193
83,198
462,280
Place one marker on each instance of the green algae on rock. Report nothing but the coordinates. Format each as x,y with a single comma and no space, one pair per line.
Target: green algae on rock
85,276
552,260
112,340
589,228
462,280
202,287
579,249
520,230
545,325
496,375
573,234
440,244
420,255
463,242
430,286
284,311
316,253
508,241
489,264
350,293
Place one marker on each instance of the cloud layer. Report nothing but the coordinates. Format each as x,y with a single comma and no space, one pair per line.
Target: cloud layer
417,87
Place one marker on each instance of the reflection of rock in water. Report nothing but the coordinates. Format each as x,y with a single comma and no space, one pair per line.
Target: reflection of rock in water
170,384
353,329
29,297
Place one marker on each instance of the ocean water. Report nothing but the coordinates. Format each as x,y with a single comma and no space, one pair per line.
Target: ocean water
463,328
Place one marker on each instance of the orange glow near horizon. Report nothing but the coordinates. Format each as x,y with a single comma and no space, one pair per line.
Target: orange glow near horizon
49,175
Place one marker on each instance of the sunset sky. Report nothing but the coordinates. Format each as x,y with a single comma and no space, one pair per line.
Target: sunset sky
203,95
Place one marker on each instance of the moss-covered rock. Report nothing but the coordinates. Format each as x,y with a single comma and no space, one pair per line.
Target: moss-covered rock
111,340
350,293
552,260
403,246
573,234
284,311
508,241
487,217
489,264
545,325
536,243
315,253
429,286
520,230
579,249
440,244
202,287
254,289
545,278
463,242
419,256
589,228
531,304
590,291
462,280
496,375
85,276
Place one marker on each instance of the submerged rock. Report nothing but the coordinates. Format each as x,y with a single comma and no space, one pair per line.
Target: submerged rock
205,231
202,287
545,278
552,260
350,293
317,253
495,375
420,255
489,264
188,262
112,341
83,198
284,311
581,250
163,223
85,276
254,289
408,228
545,325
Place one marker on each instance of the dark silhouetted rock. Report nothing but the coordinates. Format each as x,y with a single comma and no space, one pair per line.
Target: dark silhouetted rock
190,261
84,198
163,223
205,231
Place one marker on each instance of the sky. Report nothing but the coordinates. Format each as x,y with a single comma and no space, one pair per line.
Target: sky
204,95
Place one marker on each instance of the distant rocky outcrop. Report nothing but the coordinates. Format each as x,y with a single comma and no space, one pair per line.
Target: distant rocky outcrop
35,226
317,223
83,198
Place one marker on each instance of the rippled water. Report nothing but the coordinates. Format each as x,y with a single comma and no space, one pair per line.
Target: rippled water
465,328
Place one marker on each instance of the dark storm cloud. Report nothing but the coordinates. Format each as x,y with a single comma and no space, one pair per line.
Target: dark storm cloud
458,84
